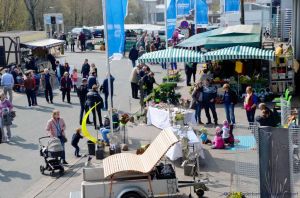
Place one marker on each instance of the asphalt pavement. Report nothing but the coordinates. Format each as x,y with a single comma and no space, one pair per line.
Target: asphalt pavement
20,160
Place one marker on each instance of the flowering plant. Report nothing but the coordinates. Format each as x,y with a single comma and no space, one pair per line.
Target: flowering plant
124,118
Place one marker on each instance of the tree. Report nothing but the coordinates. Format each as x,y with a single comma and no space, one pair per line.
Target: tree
31,6
135,12
12,15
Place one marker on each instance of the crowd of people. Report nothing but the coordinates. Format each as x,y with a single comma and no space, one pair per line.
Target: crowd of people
70,40
142,80
85,84
146,43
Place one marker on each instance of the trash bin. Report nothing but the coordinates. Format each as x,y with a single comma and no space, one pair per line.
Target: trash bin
100,153
91,147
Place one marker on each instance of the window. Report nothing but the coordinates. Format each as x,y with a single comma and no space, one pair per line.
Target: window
160,17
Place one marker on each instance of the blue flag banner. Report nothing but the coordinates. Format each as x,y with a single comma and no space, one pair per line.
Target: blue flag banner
183,8
116,12
171,18
232,5
201,12
192,4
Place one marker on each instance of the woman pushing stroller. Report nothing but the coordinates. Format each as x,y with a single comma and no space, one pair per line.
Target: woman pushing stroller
56,128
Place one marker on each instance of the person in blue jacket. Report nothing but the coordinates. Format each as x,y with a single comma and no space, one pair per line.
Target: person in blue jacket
209,96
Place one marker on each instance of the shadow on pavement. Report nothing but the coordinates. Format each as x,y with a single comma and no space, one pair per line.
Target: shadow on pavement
7,176
18,141
62,105
20,107
44,110
8,158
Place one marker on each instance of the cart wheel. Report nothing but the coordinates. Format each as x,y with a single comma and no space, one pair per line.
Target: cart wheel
42,169
200,193
61,171
131,195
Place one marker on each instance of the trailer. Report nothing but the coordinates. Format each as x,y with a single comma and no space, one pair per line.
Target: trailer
127,175
16,47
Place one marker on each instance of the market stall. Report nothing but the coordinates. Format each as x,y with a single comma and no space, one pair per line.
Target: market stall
247,35
171,55
241,66
40,50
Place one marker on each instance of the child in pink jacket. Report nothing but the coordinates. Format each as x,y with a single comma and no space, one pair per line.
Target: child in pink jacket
218,142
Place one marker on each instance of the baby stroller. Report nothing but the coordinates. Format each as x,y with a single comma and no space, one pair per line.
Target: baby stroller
52,154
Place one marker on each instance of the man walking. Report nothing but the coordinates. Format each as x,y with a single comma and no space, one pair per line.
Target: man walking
93,98
47,85
82,94
85,69
59,70
7,81
209,96
188,71
92,80
29,85
134,81
66,86
133,55
82,41
106,90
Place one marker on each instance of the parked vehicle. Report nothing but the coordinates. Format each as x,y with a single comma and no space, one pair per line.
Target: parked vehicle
98,33
161,181
88,33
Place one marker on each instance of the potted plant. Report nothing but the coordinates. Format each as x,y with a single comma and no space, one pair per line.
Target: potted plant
235,195
179,119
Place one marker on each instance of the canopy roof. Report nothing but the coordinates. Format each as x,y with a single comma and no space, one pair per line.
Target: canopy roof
229,53
247,35
240,52
45,43
172,55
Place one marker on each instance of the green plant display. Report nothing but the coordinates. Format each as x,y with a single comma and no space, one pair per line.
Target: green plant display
172,78
236,195
163,93
179,117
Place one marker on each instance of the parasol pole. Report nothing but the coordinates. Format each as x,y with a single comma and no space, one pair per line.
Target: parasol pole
108,64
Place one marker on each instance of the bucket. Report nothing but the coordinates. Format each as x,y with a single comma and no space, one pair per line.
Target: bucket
91,147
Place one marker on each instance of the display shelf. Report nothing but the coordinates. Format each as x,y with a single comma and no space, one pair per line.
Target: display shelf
282,74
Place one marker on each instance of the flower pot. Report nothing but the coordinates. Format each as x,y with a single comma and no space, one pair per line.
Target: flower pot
179,122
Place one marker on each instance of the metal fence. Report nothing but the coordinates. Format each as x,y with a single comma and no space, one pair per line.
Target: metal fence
247,165
294,148
246,177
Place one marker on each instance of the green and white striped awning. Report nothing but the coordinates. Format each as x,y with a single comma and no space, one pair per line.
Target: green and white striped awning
171,55
240,52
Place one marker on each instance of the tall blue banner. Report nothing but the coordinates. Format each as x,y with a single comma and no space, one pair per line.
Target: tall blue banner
171,18
232,5
183,8
201,12
116,12
192,4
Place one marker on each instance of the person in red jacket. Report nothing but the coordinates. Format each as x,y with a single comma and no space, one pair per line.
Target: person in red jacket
65,87
29,85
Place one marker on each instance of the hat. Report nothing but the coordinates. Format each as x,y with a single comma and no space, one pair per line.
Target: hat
84,79
106,116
